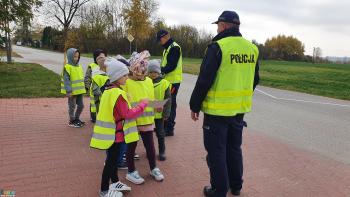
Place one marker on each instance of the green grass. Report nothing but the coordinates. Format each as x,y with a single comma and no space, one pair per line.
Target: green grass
26,80
330,80
191,65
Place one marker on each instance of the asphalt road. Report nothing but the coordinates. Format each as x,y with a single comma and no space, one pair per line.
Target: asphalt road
313,123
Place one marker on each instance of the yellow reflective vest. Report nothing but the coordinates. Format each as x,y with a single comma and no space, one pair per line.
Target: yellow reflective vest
93,66
138,90
174,76
103,135
232,90
76,79
100,80
159,93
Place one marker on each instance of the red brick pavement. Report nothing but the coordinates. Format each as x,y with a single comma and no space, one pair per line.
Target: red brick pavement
41,156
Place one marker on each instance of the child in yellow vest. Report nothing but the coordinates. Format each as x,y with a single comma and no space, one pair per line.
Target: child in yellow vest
99,81
138,87
91,69
115,124
72,85
161,92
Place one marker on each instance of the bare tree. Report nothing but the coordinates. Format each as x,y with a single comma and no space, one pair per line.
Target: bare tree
64,11
117,22
317,54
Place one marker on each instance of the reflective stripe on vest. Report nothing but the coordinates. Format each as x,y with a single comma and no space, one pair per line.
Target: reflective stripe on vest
100,81
159,93
174,76
232,90
130,129
76,79
104,130
138,90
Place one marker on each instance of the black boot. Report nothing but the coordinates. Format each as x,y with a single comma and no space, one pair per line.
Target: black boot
161,146
236,192
209,191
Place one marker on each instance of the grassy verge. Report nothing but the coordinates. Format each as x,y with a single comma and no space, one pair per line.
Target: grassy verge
330,80
26,80
4,54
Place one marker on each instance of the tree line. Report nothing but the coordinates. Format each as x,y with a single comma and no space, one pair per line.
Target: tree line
107,25
88,25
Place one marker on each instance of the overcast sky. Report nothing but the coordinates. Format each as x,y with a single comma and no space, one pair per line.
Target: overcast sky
316,23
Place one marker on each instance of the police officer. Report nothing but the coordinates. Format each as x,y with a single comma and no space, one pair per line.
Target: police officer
171,66
223,92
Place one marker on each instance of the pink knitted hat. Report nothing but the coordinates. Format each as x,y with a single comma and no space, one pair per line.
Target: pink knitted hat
139,63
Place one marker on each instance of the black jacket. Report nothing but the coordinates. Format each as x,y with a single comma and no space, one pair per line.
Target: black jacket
209,67
172,58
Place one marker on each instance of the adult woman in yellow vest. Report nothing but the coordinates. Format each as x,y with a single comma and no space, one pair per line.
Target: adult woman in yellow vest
138,87
171,66
93,68
72,85
115,124
161,92
223,92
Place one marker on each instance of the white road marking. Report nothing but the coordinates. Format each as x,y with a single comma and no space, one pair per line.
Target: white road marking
299,100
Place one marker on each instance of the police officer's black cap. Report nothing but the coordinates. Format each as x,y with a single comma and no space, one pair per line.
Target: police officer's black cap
161,33
228,17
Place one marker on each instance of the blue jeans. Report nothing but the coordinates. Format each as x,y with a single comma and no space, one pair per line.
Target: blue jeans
121,151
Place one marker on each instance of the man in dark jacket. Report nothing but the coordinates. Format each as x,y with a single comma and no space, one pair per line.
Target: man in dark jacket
171,66
223,91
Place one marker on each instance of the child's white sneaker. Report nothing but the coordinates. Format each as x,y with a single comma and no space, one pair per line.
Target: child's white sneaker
114,193
119,186
157,174
135,178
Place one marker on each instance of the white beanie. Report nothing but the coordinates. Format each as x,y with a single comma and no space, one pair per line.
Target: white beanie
154,66
115,69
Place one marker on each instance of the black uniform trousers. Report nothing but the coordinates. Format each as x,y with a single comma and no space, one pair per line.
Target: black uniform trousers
170,123
223,140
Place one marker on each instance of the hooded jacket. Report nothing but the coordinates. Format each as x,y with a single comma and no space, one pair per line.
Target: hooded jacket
66,77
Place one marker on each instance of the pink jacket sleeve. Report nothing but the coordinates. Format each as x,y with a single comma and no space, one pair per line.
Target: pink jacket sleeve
122,110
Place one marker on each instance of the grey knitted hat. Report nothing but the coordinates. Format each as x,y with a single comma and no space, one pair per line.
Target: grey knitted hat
154,66
115,69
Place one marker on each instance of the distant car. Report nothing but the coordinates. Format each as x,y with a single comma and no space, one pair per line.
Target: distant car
19,43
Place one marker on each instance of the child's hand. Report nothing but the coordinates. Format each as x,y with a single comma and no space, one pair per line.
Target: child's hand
146,100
